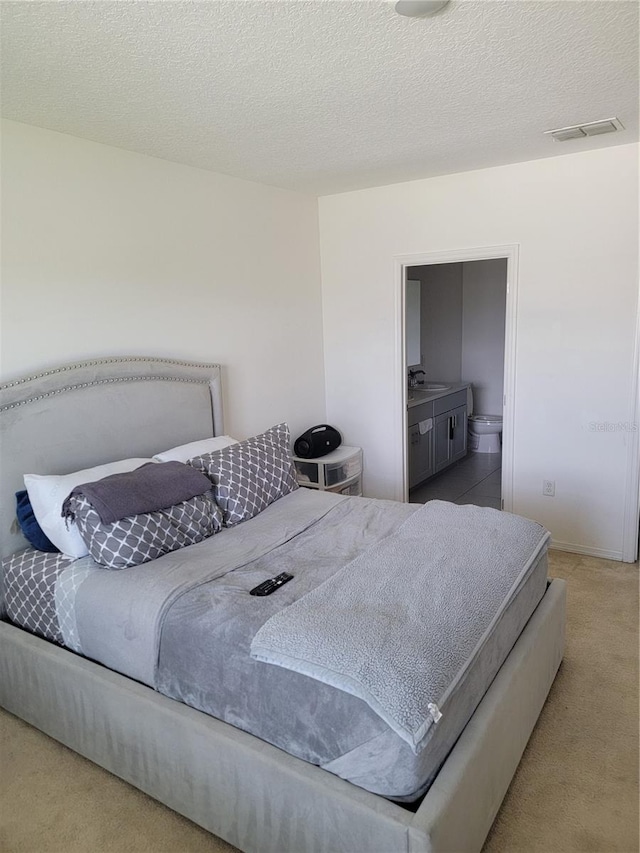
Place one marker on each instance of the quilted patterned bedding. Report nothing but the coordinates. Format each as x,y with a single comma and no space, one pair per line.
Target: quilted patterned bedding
30,579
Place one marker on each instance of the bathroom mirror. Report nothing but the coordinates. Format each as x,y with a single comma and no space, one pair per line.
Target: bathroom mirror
412,323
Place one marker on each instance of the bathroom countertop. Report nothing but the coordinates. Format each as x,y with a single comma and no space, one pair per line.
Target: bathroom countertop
418,395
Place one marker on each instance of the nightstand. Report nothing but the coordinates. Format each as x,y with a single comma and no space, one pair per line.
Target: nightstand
339,471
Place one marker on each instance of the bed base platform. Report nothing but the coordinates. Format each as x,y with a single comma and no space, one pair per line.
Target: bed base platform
259,798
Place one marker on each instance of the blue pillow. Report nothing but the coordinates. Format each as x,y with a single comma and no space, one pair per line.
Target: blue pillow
32,531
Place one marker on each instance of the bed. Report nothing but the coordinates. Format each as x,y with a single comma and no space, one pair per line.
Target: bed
236,784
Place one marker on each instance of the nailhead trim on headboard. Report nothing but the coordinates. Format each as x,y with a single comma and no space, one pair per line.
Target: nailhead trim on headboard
101,363
99,382
81,364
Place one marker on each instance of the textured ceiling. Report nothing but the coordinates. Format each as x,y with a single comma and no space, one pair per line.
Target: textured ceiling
323,95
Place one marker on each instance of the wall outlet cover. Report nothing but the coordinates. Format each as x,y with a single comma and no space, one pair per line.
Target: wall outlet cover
549,488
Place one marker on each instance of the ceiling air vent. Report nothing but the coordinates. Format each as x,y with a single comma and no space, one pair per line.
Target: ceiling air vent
591,128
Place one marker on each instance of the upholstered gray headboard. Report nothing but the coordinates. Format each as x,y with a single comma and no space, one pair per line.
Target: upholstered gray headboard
88,413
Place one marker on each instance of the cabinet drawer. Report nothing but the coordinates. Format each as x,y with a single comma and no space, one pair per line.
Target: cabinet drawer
307,472
336,467
450,401
338,472
352,488
419,413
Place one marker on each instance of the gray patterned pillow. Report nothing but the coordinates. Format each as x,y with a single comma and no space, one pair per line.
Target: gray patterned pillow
250,475
140,538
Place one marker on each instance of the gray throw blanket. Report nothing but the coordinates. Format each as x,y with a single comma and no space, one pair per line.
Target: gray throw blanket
117,618
400,624
152,487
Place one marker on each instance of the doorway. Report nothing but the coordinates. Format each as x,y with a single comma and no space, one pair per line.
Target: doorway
466,303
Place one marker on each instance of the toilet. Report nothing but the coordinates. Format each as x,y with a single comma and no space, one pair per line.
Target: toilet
485,431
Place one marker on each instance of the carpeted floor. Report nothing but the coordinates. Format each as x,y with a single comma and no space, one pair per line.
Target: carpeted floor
576,790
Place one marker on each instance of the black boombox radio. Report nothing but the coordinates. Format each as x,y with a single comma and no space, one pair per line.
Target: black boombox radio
317,441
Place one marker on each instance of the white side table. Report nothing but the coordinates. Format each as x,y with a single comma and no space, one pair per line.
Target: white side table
339,471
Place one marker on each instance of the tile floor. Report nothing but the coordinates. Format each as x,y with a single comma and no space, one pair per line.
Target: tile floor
476,479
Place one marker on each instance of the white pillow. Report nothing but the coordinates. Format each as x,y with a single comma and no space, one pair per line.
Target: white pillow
47,493
194,448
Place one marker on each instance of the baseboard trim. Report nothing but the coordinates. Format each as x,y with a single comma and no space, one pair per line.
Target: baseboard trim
605,553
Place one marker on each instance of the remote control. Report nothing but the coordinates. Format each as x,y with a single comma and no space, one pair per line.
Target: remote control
267,587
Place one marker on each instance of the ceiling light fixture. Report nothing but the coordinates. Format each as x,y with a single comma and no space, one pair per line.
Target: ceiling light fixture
419,8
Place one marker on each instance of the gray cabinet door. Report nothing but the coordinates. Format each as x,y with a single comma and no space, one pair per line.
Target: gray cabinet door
420,455
458,433
441,439
450,439
441,446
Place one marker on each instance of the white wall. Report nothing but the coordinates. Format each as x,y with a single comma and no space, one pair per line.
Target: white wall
110,252
576,220
484,293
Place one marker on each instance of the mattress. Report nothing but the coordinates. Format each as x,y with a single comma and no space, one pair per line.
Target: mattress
203,651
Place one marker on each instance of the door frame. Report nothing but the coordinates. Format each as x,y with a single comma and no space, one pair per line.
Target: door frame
511,252
631,523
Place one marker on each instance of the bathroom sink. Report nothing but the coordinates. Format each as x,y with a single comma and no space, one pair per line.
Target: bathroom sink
426,390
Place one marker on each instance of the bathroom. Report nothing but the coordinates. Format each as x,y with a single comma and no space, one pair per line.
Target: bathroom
460,326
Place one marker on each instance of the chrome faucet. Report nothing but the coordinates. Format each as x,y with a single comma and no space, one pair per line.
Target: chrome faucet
413,378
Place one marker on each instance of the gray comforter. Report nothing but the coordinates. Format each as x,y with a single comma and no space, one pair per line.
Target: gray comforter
399,625
184,625
117,618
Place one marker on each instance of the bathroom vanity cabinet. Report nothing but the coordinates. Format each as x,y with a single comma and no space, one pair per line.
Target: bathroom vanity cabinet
421,457
450,437
437,432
